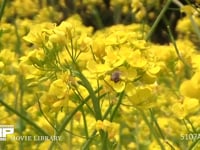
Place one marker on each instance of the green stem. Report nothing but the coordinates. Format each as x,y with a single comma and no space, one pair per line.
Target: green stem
2,8
108,111
117,106
82,111
193,144
156,123
195,26
117,13
40,130
44,115
70,136
21,85
87,143
174,43
85,123
99,23
87,85
159,129
104,139
185,123
78,94
193,128
70,116
95,99
187,67
160,16
151,128
21,110
18,41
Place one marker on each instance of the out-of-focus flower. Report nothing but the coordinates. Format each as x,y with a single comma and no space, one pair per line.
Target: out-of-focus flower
48,14
58,89
29,7
138,9
188,106
141,96
188,10
111,127
190,88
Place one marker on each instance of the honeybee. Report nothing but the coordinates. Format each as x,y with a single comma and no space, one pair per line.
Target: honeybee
115,76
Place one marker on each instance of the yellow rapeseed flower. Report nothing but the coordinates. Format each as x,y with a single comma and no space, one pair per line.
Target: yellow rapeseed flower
183,109
191,88
111,127
58,88
142,96
137,59
39,34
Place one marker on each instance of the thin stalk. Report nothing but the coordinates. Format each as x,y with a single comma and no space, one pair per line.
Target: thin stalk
30,122
120,138
85,123
108,110
97,18
160,16
93,55
21,110
95,100
178,3
185,123
117,106
72,49
70,116
175,46
159,129
151,128
87,85
2,8
187,67
44,115
104,139
156,123
193,128
195,26
18,42
87,143
170,145
194,144
117,13
78,94
82,111
70,135
73,134
21,87
68,119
